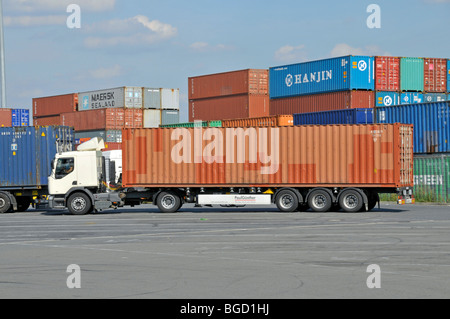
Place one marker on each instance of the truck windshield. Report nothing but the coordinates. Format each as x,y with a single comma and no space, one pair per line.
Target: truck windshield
64,167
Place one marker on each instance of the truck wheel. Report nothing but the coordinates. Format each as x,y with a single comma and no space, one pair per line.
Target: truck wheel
5,203
23,203
168,202
351,201
79,204
373,200
320,201
287,201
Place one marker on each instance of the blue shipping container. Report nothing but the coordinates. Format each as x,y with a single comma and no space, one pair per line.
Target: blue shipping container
387,98
330,75
20,117
26,154
411,98
431,124
347,116
434,97
448,75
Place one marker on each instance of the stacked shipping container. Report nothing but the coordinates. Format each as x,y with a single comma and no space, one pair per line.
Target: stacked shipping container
14,117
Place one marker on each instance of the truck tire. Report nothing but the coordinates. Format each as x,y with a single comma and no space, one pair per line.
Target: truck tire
5,203
351,201
168,202
287,201
319,200
79,204
23,203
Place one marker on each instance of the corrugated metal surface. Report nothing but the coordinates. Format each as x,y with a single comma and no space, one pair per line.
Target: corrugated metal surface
104,119
170,117
122,97
435,97
47,121
435,75
55,105
250,81
387,98
349,116
152,118
229,107
268,121
26,154
112,136
20,117
432,178
134,118
321,155
112,147
170,99
387,73
411,98
431,124
151,98
5,117
330,75
322,102
411,74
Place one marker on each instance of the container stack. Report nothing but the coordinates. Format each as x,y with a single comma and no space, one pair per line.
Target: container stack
230,95
161,107
14,117
46,110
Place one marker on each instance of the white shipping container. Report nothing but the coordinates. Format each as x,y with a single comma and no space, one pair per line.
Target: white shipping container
152,118
170,99
151,98
122,97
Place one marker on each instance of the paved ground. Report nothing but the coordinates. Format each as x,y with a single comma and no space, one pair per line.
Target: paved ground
234,253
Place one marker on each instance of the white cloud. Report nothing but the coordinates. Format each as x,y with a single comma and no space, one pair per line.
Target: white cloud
58,5
26,21
343,49
290,53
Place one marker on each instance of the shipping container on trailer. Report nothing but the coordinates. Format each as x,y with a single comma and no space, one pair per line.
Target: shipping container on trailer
411,74
268,121
54,105
20,117
5,117
229,107
349,116
435,97
249,81
387,98
411,98
121,97
431,124
322,102
432,178
387,73
435,75
329,75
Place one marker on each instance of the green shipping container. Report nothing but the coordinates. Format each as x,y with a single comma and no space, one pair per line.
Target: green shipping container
432,178
411,74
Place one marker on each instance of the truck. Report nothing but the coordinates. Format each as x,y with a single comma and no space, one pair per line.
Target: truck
317,167
25,163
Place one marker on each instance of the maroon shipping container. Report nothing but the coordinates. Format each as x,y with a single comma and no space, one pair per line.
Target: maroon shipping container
55,105
5,117
322,102
435,75
229,107
387,73
47,120
250,81
102,119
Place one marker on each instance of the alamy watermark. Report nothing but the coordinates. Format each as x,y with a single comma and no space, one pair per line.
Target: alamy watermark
374,19
374,280
74,19
74,279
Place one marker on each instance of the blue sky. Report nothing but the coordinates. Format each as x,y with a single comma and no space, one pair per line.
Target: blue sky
162,43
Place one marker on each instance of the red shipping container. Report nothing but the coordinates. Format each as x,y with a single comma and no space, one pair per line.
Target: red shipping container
102,119
387,73
112,146
322,102
229,107
133,118
5,118
435,75
55,105
47,120
250,81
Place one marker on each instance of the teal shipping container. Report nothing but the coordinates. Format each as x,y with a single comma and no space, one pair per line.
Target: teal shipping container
412,74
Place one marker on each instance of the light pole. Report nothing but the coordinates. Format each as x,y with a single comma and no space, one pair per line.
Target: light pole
2,58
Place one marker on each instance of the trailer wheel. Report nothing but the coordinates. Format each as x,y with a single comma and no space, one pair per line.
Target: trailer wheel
287,201
351,201
23,203
168,202
320,201
79,204
5,203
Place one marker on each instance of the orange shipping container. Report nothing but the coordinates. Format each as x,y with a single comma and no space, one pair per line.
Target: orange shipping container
102,119
47,121
229,107
250,81
297,156
277,120
5,118
55,105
